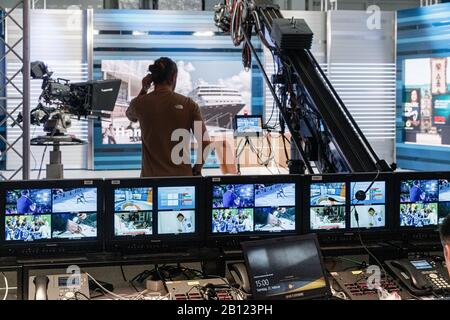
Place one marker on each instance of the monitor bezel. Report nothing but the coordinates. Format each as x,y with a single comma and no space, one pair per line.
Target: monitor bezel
324,292
51,246
401,176
222,240
348,233
152,243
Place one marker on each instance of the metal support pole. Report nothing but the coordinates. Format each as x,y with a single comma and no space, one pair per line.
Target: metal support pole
26,91
90,61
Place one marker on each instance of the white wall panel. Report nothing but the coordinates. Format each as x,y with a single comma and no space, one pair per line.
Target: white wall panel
361,67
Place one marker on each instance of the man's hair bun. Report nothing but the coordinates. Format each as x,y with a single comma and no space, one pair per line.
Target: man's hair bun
163,70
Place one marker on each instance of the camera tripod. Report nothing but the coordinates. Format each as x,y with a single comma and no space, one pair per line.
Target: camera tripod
55,168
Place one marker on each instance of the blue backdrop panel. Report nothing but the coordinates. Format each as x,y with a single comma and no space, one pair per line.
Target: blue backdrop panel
421,33
148,35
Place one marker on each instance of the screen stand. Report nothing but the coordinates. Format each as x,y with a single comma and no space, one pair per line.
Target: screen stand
239,154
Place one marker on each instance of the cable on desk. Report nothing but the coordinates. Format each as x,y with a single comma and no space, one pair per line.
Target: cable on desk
81,294
355,210
338,294
360,264
166,272
104,289
6,287
138,296
160,276
123,274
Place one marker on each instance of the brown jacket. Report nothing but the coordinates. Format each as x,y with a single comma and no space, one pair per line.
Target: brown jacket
160,113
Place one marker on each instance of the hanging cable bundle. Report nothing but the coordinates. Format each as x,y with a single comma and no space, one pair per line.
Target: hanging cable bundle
237,20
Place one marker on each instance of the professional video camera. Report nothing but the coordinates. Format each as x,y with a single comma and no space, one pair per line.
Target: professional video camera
60,100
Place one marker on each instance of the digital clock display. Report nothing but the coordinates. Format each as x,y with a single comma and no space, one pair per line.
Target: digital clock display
285,269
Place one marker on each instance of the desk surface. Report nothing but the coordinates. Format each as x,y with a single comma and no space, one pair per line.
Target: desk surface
333,264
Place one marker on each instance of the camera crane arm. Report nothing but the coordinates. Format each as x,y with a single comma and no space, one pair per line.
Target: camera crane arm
323,130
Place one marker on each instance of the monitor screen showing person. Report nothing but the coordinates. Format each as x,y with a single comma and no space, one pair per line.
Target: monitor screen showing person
132,224
371,212
176,210
424,203
176,222
414,191
28,201
234,196
133,212
327,206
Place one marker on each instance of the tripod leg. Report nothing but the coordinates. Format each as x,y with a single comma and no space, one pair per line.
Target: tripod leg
239,153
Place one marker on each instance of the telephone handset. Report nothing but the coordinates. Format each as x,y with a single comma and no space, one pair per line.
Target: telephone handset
418,281
421,276
41,285
239,273
59,287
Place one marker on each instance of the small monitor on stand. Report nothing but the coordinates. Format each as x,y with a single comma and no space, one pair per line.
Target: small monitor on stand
246,126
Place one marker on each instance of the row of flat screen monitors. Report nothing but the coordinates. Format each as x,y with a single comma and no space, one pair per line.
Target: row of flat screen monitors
185,210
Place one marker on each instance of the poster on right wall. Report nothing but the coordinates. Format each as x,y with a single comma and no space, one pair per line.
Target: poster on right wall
426,101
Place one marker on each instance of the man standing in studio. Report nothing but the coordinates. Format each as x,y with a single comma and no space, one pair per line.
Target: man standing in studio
161,113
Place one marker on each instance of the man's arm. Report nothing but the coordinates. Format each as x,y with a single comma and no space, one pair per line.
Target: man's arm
198,126
131,111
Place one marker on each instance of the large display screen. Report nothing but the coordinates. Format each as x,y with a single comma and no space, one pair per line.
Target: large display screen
423,202
426,100
51,214
327,206
221,94
247,208
287,269
371,212
136,214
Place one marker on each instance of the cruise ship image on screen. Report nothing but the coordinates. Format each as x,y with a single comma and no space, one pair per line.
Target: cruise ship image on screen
219,104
